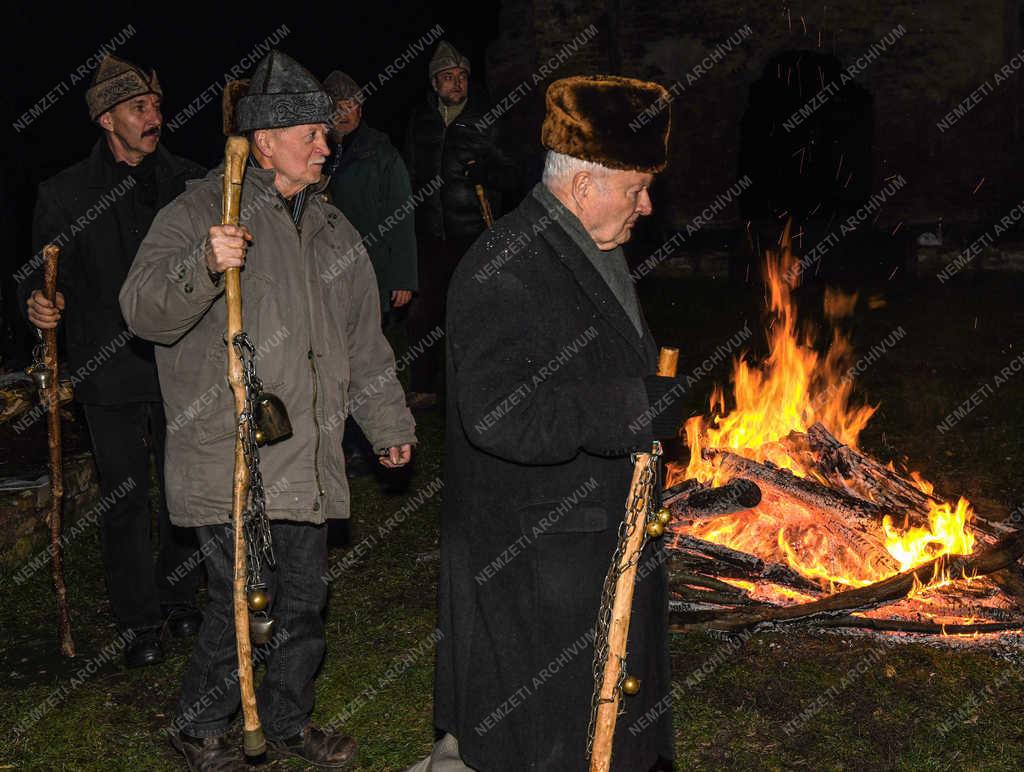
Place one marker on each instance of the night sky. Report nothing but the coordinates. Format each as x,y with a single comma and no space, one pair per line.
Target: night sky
192,54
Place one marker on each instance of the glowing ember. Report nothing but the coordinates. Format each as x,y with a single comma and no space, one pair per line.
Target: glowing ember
794,388
947,534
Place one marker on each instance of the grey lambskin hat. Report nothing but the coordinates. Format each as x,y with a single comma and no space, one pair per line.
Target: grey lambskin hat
282,93
341,86
446,57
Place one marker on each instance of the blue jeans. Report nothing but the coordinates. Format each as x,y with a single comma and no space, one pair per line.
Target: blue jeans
209,692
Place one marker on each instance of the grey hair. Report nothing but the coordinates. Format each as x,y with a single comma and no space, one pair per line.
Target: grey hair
559,166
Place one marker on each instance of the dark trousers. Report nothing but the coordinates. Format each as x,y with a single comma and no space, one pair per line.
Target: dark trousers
122,438
437,261
210,695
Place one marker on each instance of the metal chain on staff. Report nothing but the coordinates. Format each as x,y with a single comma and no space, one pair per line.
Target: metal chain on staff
258,546
638,514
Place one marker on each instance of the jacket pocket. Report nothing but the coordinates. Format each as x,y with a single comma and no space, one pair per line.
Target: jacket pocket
554,517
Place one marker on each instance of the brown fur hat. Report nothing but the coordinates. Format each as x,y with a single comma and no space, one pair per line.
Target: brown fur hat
621,123
116,81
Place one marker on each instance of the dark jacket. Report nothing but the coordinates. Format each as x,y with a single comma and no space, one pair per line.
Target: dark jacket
435,151
88,211
370,185
546,376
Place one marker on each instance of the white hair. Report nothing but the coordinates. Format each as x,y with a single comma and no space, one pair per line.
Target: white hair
559,167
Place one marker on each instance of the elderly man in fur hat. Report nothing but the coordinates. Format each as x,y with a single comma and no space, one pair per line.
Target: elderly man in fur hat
322,352
551,370
98,211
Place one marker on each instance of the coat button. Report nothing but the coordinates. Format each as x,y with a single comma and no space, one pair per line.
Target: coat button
188,288
316,506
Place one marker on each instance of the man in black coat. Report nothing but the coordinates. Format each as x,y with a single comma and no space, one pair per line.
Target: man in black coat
552,383
451,148
97,212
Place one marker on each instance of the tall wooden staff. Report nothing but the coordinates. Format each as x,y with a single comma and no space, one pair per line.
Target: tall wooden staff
236,153
623,571
49,388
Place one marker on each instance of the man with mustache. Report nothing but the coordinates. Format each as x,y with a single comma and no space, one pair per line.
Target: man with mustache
331,359
451,138
98,211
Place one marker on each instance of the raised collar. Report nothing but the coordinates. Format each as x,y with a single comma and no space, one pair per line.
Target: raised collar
556,234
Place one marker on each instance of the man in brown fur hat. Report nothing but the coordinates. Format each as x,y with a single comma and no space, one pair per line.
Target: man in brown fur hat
552,369
98,211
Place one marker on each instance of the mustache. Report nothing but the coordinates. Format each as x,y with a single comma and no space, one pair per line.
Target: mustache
154,132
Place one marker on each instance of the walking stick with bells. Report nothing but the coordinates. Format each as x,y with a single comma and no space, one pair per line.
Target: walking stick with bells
44,372
643,519
260,419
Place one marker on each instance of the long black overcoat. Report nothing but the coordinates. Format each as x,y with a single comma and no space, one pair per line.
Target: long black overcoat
544,379
82,210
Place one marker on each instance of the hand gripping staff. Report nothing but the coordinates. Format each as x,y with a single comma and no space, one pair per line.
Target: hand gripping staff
643,518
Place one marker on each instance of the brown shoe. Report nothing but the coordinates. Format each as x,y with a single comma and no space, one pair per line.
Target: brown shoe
421,400
321,748
209,754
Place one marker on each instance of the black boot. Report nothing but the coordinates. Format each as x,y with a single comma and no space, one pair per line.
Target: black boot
208,754
144,648
182,621
321,748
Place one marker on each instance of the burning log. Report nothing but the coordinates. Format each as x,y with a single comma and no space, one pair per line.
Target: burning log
677,492
998,556
736,495
850,518
817,496
719,560
915,626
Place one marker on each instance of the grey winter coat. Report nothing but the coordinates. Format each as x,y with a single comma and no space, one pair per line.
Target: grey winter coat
310,306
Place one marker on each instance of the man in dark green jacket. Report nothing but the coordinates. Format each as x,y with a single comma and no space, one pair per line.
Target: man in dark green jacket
370,185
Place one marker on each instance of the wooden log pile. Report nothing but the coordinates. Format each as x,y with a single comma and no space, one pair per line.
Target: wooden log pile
718,588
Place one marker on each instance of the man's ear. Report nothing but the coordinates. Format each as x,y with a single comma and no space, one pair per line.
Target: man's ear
261,138
582,186
106,121
433,83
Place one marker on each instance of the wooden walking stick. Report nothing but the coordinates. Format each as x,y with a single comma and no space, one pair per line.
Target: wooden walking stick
481,197
254,744
485,206
49,392
617,598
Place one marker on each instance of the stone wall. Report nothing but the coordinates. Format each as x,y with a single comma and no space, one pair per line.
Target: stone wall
968,173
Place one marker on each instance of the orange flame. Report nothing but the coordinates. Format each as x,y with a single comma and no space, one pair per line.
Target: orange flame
792,389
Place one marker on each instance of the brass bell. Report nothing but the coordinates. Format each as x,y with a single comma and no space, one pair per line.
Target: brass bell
272,424
630,685
664,515
261,628
655,529
258,600
42,376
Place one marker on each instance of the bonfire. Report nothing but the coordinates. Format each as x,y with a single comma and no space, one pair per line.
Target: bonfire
780,517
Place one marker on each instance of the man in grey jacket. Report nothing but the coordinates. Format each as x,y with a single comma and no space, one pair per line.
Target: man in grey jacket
319,347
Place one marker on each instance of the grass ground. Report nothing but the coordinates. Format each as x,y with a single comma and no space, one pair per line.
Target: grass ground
778,701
